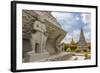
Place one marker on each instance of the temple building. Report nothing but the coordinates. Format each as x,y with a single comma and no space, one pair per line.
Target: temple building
41,35
82,44
73,44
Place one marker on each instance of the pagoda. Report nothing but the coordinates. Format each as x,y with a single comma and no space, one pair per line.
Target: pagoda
82,44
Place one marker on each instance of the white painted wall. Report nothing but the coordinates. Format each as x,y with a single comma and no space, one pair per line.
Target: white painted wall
5,36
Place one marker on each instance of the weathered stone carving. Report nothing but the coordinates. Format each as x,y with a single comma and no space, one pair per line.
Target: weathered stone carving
42,35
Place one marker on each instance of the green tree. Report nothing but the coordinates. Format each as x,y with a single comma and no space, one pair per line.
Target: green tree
65,47
77,50
73,48
68,50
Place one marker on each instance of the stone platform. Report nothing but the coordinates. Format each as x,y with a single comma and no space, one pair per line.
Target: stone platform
59,57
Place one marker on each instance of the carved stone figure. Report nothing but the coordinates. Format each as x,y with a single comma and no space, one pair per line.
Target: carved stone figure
42,35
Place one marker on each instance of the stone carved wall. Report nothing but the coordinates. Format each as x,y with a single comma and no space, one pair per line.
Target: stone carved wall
43,33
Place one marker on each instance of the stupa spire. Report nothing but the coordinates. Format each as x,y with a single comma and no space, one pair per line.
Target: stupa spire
82,42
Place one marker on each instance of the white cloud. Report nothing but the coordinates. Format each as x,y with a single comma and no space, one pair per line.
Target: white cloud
86,18
87,36
77,18
87,28
62,15
67,38
67,28
76,34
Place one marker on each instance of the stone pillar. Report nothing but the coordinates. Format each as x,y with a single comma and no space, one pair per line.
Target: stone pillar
33,43
43,43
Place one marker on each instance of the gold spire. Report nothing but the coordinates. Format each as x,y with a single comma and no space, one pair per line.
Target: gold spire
72,42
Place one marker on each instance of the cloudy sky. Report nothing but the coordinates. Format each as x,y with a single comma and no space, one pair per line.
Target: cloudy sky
72,22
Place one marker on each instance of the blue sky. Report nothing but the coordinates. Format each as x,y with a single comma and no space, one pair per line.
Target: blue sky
72,22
